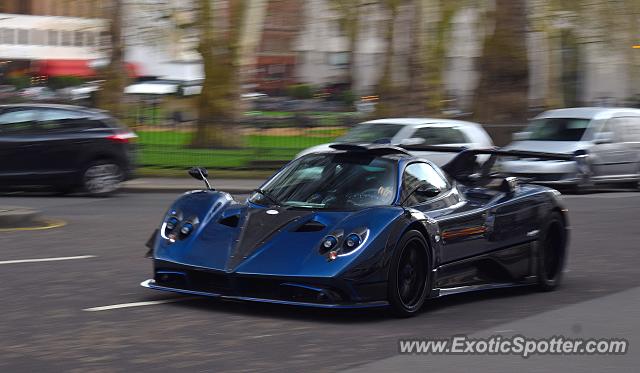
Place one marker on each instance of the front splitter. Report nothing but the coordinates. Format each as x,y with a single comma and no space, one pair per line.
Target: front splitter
151,284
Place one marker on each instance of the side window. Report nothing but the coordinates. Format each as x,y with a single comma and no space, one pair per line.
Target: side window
17,121
441,135
631,130
63,120
614,126
416,174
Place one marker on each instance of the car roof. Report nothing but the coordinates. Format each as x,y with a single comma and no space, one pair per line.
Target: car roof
422,121
377,150
587,113
94,111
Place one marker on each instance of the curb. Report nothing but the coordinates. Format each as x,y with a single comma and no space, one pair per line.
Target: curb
14,216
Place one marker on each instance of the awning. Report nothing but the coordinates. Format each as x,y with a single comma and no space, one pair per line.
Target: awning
78,68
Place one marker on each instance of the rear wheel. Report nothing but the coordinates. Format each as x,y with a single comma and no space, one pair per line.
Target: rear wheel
102,178
409,277
551,253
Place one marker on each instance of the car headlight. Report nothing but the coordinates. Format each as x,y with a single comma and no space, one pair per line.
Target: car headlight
353,240
329,243
186,229
172,222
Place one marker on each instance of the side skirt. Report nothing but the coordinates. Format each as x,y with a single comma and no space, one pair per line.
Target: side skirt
435,293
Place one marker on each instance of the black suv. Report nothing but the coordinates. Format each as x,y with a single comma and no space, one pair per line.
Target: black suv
67,147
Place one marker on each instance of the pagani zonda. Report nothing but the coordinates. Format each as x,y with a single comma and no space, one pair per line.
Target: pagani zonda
363,226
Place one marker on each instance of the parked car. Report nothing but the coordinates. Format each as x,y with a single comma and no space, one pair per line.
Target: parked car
415,131
604,141
362,226
67,147
38,94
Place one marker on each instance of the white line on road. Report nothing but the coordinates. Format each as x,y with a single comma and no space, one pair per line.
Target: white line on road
46,259
136,304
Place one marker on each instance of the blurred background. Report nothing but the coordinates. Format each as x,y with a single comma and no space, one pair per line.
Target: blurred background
246,85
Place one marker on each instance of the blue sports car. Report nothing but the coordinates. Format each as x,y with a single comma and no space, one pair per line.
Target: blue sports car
364,226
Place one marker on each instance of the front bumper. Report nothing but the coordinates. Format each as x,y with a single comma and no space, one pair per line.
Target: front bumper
297,291
151,284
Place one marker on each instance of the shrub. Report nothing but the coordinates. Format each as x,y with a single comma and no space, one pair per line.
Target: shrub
300,91
20,82
59,82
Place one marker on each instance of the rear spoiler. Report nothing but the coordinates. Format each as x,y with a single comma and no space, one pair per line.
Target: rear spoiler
463,165
489,151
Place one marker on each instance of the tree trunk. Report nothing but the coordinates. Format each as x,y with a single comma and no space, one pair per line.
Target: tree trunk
502,92
111,96
386,89
219,48
437,56
349,19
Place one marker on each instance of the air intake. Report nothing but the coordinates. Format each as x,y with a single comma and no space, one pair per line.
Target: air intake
310,226
230,221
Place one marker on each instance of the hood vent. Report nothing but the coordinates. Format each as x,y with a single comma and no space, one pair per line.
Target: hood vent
310,226
230,221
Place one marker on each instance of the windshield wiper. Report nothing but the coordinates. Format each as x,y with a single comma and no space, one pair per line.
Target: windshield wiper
271,199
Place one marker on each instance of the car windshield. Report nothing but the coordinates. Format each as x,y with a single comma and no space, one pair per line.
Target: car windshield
557,129
332,182
370,132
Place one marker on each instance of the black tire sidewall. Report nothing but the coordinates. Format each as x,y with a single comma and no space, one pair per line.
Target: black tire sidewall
97,163
544,283
397,306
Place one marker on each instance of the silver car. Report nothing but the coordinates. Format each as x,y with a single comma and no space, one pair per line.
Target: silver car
415,131
605,143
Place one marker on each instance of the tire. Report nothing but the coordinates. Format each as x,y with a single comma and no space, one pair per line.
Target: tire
409,281
552,248
102,178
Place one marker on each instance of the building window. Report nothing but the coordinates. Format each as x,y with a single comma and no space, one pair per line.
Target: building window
78,39
338,59
53,37
7,36
23,37
67,38
90,39
38,37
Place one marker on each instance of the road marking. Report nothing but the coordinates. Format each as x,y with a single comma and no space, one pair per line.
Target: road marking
48,224
136,304
46,259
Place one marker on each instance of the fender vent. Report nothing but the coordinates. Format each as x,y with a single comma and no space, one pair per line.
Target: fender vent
230,221
310,226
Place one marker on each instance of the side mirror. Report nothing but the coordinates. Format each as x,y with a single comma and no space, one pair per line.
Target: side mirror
603,138
200,173
428,190
509,185
424,190
520,136
412,141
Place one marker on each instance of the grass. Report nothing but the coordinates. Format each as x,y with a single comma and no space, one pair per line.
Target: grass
167,149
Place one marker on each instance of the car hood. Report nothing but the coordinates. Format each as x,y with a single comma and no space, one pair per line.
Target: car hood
560,147
284,242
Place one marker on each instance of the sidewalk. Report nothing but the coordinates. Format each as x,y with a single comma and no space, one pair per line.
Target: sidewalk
180,185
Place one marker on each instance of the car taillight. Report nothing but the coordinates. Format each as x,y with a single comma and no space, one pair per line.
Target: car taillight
123,138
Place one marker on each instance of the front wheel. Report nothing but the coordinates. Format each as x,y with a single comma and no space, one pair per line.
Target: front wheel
102,178
551,253
409,276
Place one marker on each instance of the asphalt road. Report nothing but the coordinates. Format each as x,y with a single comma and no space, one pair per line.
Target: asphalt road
44,324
